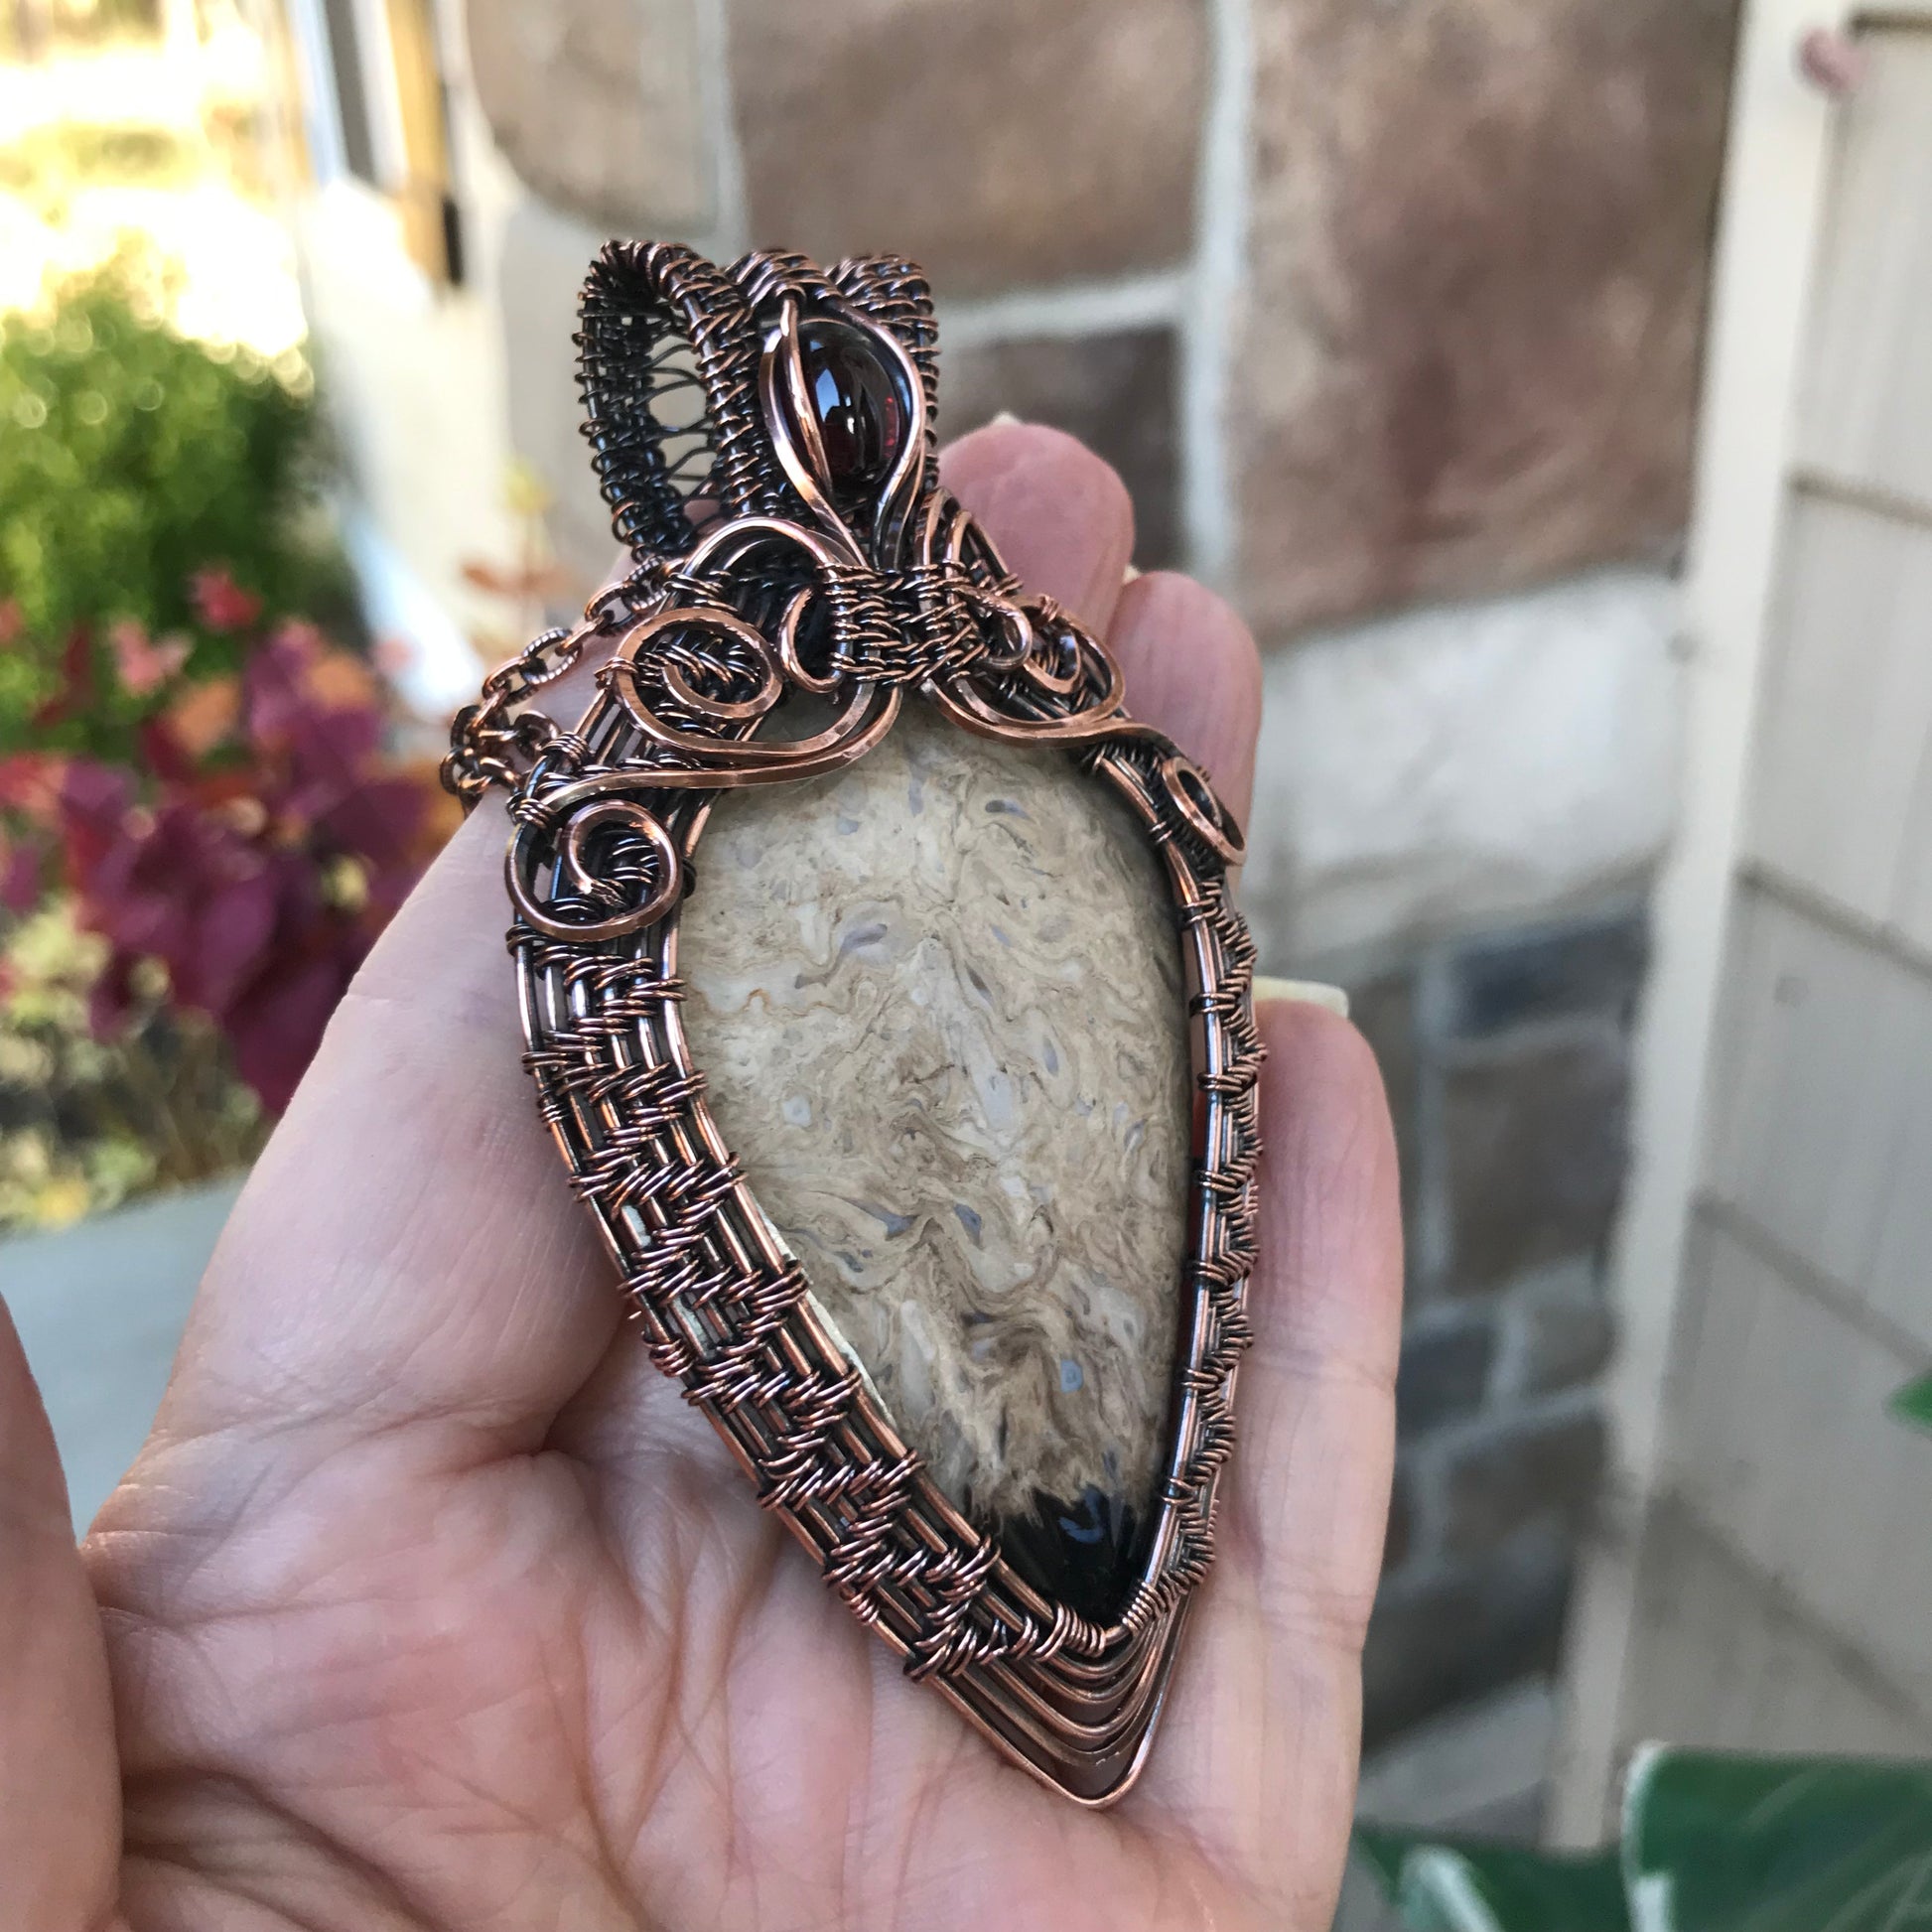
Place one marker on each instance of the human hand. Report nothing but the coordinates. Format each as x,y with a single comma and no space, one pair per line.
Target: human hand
429,1605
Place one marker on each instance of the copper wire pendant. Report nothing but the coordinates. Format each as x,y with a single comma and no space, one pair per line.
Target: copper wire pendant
765,437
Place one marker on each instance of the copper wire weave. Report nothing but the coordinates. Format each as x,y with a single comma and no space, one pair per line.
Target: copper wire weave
753,590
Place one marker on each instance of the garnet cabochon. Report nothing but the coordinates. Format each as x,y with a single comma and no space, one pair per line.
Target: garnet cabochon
856,403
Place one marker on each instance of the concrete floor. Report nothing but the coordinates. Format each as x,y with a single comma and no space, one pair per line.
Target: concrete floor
100,1308
1483,1771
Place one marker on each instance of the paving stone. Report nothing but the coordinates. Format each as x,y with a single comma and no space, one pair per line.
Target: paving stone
1561,1331
1515,979
1535,1148
1545,1471
1001,143
1383,1008
1400,1537
1441,1640
1480,242
1445,1372
1479,1771
599,106
1116,392
1465,765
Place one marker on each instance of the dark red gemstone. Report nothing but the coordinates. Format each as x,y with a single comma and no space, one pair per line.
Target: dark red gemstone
856,403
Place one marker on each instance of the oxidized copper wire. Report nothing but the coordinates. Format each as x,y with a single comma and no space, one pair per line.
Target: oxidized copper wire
754,594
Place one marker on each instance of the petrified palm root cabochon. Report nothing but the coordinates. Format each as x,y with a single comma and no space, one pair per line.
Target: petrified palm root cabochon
884,996
939,1000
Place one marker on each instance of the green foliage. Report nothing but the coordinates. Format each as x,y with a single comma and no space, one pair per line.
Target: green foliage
129,460
1912,1404
86,1123
1724,1843
77,26
1471,1887
1711,1843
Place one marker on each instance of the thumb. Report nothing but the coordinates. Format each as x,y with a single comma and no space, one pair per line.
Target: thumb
60,1776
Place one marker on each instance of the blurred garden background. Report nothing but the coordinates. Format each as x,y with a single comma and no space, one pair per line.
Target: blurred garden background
211,789
209,797
1548,383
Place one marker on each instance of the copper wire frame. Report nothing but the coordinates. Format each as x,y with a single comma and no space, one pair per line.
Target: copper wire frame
757,593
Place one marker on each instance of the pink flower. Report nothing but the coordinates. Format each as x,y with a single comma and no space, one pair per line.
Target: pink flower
145,664
30,785
220,603
394,657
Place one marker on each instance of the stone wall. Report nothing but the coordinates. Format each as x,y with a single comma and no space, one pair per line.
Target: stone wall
1479,233
1389,314
1507,1061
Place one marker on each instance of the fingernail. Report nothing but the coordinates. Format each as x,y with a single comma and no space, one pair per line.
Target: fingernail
1005,418
1308,993
1130,574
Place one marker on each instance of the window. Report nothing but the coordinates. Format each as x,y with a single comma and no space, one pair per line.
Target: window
374,109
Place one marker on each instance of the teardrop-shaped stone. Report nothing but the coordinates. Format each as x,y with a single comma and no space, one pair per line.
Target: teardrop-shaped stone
855,402
938,997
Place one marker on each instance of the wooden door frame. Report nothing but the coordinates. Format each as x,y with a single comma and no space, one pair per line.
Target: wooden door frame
1781,143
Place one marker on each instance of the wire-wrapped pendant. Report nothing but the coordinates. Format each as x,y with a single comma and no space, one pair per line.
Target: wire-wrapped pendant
804,588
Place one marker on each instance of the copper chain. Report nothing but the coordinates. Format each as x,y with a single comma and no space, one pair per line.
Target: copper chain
494,739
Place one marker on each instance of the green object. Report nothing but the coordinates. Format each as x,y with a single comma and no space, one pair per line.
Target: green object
130,459
1713,1841
45,163
1725,1843
1913,1404
1474,1887
84,1123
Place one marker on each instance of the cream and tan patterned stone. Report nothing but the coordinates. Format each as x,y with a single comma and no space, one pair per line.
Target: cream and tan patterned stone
939,999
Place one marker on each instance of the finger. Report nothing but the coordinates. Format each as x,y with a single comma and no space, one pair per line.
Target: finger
59,1780
1264,1733
1058,513
1063,521
1191,667
1309,1509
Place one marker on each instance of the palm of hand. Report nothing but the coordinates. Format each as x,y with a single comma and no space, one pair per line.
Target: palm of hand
429,1605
